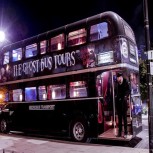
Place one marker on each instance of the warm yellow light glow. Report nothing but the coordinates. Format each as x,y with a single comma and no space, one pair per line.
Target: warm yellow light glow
20,97
7,67
44,96
59,46
1,96
74,93
53,94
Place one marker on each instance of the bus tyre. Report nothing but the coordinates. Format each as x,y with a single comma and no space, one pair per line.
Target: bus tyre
4,127
79,131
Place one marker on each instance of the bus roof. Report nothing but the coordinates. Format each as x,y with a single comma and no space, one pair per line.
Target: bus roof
105,16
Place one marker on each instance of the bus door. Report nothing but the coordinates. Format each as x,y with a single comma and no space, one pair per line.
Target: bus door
108,103
108,86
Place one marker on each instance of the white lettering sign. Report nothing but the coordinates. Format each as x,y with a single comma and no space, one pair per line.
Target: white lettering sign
34,66
41,107
150,54
151,68
105,57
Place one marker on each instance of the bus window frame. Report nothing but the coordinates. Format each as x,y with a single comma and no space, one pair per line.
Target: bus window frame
59,38
77,34
30,49
98,32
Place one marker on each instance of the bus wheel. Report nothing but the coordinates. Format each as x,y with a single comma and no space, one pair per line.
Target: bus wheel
79,131
4,128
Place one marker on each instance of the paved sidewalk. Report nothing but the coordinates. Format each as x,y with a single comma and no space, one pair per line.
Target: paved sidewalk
11,144
8,144
144,143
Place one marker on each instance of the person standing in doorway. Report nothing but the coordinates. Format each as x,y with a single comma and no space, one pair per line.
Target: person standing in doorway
122,96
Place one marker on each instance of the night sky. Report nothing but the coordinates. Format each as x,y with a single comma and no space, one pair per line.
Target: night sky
21,19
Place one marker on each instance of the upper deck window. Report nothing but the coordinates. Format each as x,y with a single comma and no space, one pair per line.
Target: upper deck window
99,31
77,37
43,47
57,42
17,54
6,58
31,50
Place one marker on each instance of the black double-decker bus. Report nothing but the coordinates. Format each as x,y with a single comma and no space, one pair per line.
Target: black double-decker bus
62,82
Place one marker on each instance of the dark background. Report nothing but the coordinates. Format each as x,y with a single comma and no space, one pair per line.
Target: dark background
21,19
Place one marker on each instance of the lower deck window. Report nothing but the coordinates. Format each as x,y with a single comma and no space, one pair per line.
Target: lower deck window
57,92
78,89
30,94
42,93
6,97
17,95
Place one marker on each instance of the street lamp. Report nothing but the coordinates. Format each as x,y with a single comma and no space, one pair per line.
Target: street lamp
2,36
149,77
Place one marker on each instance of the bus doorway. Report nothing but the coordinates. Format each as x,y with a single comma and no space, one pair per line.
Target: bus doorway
108,87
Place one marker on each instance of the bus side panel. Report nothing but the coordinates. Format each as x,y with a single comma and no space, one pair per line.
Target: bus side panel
86,110
55,117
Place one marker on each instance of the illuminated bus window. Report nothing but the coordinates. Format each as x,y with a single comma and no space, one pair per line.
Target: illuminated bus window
78,89
42,93
57,42
2,96
31,50
99,31
6,97
57,91
30,94
6,58
43,47
17,95
17,54
77,37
